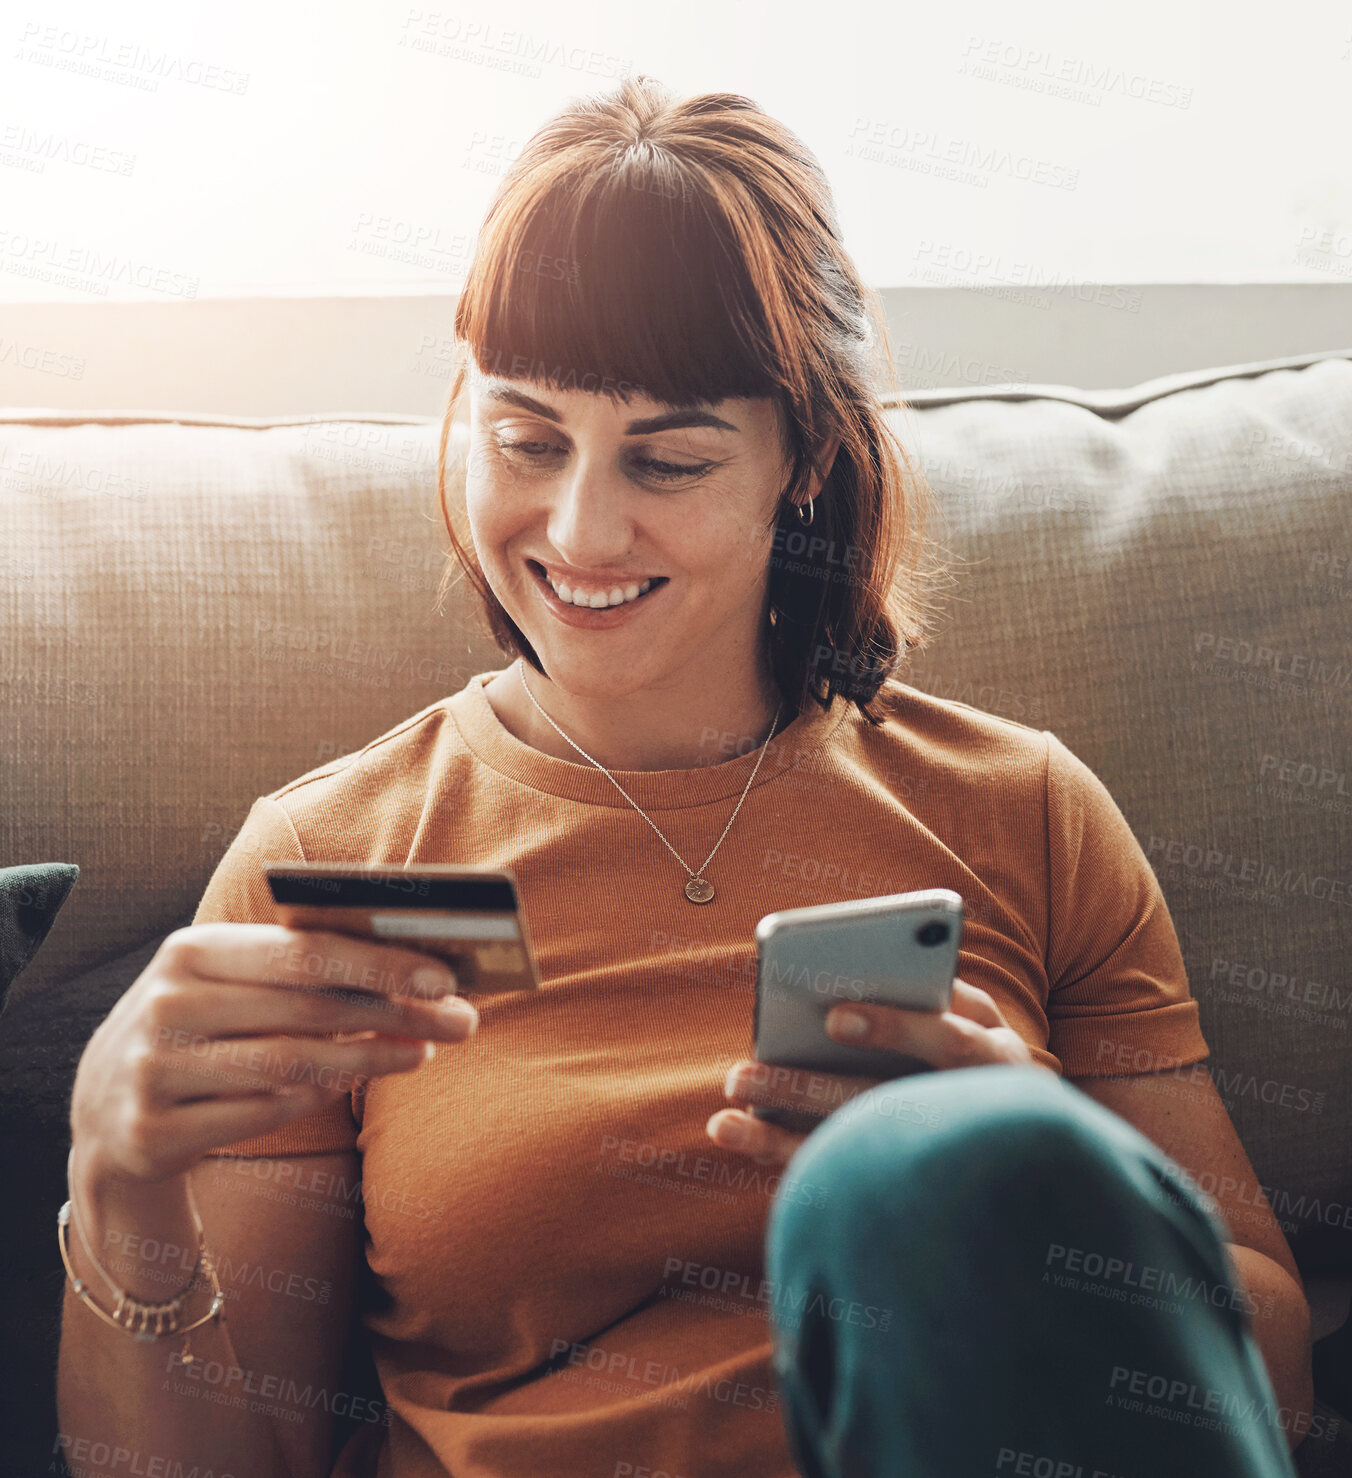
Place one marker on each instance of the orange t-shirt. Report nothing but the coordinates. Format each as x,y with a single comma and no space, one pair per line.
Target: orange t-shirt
574,1270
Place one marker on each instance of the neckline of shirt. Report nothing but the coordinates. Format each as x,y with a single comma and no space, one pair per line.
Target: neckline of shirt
657,790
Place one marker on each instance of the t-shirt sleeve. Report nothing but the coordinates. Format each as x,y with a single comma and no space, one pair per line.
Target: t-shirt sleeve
1118,1000
238,892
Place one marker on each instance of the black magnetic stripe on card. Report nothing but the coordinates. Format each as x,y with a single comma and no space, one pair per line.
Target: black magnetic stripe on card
492,894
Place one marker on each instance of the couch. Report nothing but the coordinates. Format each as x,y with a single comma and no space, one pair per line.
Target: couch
197,609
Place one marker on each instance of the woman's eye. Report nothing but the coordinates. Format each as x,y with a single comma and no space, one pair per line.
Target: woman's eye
670,471
533,451
653,468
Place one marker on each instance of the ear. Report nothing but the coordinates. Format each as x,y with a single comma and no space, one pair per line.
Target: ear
825,462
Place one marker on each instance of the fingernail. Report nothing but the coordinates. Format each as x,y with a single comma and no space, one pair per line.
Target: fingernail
458,1008
432,983
732,1133
848,1024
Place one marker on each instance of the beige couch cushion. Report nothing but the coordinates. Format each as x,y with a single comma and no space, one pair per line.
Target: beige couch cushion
1163,578
197,610
201,611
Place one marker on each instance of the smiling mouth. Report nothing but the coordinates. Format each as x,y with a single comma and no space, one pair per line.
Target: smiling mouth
598,598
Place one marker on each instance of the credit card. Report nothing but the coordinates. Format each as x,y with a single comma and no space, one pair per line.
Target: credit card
469,917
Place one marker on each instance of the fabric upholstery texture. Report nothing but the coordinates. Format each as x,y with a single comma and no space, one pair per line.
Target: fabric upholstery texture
1169,592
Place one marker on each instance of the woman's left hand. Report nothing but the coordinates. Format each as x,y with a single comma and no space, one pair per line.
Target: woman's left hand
971,1033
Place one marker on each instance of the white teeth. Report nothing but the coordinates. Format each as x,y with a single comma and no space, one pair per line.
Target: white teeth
618,595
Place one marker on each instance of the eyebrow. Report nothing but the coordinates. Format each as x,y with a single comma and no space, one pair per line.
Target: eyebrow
670,421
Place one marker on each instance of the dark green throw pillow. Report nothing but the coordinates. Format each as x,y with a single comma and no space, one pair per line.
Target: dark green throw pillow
30,899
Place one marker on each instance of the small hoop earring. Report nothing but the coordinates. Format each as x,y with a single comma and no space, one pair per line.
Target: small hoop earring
811,513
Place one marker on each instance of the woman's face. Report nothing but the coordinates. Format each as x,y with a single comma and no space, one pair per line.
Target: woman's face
576,501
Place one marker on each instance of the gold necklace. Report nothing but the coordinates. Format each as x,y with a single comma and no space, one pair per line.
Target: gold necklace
699,889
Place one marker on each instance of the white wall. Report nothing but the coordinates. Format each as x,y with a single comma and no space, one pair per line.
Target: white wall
163,151
278,356
262,208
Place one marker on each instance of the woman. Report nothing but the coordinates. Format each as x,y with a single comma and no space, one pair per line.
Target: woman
692,531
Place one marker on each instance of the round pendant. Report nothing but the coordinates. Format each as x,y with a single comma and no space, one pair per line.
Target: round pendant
699,890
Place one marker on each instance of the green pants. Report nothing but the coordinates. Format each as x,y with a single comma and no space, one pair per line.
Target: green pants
997,1276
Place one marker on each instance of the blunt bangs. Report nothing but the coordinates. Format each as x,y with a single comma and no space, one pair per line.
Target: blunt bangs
620,287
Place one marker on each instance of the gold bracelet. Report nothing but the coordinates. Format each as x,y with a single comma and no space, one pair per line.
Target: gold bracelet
132,1315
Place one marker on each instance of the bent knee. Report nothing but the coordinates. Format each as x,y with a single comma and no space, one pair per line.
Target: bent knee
959,1133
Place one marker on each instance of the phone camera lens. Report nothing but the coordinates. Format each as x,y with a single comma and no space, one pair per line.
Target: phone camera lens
932,933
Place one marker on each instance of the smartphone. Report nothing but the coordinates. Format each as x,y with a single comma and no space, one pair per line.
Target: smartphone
468,916
897,950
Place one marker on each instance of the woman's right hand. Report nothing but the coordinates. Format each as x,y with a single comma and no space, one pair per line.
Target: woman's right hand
223,1037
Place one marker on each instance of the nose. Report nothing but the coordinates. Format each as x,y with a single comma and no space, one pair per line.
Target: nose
590,522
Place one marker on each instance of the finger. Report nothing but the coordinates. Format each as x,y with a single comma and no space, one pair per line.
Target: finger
972,1001
765,1143
275,955
944,1039
240,1066
244,1010
800,1089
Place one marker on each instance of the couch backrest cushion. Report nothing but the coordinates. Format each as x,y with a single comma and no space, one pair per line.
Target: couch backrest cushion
1163,578
195,613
